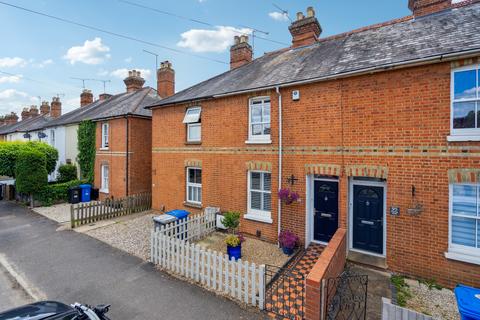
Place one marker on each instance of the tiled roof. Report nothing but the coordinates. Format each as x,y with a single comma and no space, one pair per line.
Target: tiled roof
449,32
26,125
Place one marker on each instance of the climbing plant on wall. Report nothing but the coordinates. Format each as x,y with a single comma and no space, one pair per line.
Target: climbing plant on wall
86,149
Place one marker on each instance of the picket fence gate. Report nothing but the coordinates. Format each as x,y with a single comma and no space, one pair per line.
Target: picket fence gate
394,312
172,250
90,212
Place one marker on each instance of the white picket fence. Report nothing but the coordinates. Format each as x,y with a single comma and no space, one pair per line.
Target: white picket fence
394,312
172,250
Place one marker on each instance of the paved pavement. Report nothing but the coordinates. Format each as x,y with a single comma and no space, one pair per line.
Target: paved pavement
68,266
11,294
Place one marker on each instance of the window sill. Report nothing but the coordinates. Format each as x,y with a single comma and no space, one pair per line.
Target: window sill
193,143
192,205
259,141
462,257
104,148
456,138
103,191
259,218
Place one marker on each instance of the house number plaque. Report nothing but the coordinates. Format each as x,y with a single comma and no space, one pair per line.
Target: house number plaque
394,211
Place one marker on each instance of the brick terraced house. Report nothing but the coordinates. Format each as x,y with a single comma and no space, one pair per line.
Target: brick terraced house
124,135
377,129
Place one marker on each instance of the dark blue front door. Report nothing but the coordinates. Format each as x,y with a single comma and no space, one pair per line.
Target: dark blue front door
368,218
325,210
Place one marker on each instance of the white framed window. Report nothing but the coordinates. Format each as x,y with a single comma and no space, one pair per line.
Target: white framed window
105,135
105,176
194,185
193,121
259,120
464,224
259,196
465,101
52,137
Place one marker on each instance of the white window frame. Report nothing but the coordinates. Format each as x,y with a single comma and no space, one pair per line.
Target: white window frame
193,123
52,137
263,138
468,134
105,135
457,251
105,179
255,214
194,185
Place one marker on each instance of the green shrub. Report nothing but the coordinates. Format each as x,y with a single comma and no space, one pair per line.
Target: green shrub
30,172
86,149
57,192
402,288
231,220
51,154
67,172
9,152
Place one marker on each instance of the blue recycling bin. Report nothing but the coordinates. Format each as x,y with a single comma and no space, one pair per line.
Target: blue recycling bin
86,191
468,301
180,215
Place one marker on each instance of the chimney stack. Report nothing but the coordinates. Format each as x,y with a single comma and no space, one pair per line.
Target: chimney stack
44,108
104,96
86,97
241,52
33,111
305,30
11,118
25,113
165,80
56,108
134,81
425,7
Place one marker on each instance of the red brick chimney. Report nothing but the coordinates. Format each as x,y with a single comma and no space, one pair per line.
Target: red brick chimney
165,80
134,81
25,113
424,7
305,30
241,52
56,108
11,118
44,108
33,111
86,97
104,96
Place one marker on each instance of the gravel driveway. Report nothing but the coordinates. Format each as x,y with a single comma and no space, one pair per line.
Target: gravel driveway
59,212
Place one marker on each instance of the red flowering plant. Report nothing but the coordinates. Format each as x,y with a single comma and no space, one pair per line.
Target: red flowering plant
288,196
287,239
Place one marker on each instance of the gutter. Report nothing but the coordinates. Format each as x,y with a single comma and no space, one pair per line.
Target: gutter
280,150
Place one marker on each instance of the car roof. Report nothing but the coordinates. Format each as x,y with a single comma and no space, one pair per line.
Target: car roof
36,311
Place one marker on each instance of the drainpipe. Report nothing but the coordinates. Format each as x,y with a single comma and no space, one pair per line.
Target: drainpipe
277,89
126,157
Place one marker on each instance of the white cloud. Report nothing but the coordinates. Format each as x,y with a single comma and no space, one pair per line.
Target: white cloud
43,63
12,93
128,60
218,40
123,73
91,52
14,100
278,16
10,79
12,62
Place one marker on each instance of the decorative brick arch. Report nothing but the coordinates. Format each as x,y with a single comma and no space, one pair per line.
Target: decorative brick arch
463,175
193,163
366,171
323,169
259,165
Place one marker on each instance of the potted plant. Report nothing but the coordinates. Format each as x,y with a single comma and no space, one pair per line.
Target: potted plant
288,241
288,196
231,220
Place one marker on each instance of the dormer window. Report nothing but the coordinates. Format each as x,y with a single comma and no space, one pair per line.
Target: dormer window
259,120
194,125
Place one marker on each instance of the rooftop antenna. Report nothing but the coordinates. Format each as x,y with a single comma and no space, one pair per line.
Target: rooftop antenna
60,95
284,12
104,83
254,30
156,58
81,79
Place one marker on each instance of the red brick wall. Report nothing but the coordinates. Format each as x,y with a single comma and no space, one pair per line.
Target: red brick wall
139,166
398,119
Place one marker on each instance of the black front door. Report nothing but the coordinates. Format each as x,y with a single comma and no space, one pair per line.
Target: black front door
368,218
325,205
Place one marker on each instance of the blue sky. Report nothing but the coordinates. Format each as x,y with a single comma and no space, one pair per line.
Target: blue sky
44,54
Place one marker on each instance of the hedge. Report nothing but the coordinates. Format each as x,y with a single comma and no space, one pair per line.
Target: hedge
30,172
9,152
67,172
56,192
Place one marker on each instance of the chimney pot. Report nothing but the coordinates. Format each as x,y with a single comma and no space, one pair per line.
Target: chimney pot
305,31
56,107
44,108
165,80
134,81
241,52
86,97
104,96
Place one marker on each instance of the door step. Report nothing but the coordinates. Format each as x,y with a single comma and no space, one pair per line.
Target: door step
367,260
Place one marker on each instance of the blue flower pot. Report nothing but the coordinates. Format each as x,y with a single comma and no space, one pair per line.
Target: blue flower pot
234,252
288,251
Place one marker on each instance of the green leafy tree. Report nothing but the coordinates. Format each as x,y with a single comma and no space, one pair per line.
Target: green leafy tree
86,149
231,220
67,172
30,172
